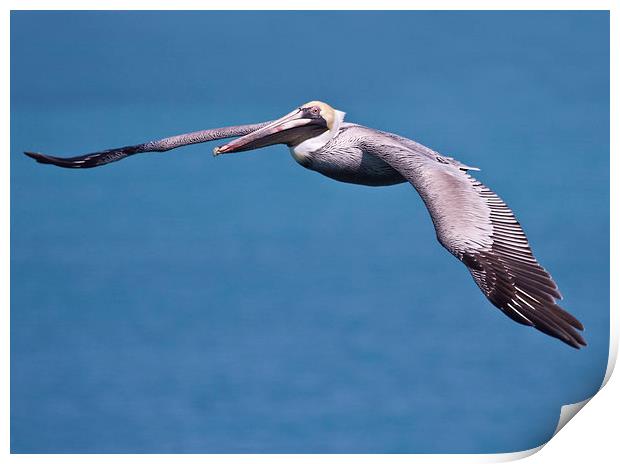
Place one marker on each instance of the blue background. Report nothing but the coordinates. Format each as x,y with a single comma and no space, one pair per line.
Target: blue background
179,303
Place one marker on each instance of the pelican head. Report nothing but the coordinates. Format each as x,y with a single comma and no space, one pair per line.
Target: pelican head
311,125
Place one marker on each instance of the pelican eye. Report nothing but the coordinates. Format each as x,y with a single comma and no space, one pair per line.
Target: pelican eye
315,110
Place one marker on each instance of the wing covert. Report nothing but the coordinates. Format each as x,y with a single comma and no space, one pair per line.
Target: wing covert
476,226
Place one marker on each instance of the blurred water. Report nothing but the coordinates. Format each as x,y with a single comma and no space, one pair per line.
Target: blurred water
177,303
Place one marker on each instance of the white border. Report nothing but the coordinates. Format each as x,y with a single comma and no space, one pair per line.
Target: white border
315,5
588,438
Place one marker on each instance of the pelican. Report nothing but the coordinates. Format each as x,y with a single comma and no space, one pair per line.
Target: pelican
471,221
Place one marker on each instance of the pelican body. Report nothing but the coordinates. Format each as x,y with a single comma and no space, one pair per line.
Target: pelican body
471,221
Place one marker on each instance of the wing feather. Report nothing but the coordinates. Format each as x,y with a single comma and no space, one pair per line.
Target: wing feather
100,158
476,226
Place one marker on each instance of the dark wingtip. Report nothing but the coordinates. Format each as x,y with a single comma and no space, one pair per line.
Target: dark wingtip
574,339
77,162
89,160
39,157
582,341
578,344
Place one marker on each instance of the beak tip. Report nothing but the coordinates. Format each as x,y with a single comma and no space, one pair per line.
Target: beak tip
221,150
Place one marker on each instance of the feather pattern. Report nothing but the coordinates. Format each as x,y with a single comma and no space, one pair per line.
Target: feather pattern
476,226
100,158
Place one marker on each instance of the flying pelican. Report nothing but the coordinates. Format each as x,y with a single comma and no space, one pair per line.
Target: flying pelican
470,220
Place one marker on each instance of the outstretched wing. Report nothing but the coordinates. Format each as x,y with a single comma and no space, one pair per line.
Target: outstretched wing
100,158
477,227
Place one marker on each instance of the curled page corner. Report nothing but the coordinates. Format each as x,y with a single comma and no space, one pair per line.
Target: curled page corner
567,412
516,455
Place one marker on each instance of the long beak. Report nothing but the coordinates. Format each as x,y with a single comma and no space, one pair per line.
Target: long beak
268,135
